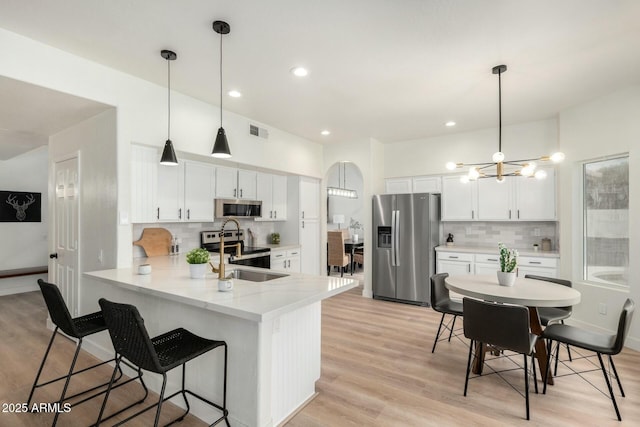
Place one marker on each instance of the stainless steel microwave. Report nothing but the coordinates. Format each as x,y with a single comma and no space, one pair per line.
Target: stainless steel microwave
224,208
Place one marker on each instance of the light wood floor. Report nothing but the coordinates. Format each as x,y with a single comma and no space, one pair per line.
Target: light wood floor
377,370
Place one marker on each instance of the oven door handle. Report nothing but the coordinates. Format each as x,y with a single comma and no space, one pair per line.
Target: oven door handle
258,255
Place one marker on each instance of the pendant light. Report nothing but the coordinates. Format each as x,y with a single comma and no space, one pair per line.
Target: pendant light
168,154
503,168
341,190
221,146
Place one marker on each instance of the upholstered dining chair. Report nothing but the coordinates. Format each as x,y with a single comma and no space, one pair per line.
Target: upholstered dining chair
607,344
503,326
358,257
442,303
336,255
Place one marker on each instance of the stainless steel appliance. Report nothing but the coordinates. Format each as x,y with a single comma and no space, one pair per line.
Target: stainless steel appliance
251,255
224,208
406,230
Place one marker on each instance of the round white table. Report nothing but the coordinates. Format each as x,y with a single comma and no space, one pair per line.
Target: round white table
528,292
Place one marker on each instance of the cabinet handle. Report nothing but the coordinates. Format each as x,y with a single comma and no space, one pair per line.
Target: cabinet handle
275,214
509,213
472,214
302,224
491,259
453,257
284,264
518,213
158,214
180,213
270,214
535,262
235,192
469,268
241,193
289,263
188,213
302,214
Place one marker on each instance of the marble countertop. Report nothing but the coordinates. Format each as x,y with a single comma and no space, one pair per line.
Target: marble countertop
494,250
255,301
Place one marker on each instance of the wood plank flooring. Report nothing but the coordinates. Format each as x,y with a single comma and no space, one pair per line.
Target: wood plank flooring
377,370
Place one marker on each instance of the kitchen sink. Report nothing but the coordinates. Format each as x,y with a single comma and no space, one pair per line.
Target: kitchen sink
253,276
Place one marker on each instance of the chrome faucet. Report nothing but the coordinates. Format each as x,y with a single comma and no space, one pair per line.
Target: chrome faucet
220,269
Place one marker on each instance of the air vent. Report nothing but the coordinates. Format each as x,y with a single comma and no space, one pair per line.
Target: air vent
258,131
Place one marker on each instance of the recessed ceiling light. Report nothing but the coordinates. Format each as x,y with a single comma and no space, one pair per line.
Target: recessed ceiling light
299,71
234,94
450,123
325,132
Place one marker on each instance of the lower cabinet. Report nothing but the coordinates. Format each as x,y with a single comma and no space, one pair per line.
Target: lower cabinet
286,260
539,266
486,263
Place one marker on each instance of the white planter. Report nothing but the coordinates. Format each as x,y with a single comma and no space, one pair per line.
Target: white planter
197,270
506,279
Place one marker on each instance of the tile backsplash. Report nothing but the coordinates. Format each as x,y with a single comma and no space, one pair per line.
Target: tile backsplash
518,235
189,232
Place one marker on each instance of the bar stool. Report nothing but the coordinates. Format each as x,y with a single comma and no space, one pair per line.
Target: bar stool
159,355
77,328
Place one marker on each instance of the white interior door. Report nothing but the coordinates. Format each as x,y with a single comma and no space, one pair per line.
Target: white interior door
66,225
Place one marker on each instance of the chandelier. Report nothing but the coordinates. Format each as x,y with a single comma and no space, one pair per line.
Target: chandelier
503,168
341,190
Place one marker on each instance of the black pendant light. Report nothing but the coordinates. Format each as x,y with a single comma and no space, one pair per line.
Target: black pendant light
221,146
168,154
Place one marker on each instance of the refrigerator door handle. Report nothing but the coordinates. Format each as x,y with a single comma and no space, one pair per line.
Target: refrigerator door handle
396,236
393,238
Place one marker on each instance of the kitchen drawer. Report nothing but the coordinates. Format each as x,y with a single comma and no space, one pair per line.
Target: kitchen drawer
527,261
488,258
455,256
293,253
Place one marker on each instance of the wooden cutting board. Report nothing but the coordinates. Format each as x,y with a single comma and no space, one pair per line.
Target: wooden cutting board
155,241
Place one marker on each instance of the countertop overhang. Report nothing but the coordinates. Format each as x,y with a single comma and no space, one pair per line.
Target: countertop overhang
254,301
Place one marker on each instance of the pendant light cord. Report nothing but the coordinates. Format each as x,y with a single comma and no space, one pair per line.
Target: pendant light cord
220,79
499,112
168,100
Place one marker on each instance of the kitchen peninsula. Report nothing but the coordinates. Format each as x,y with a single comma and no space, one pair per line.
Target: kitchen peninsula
272,329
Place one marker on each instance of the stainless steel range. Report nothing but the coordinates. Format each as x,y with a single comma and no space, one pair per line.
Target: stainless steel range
251,256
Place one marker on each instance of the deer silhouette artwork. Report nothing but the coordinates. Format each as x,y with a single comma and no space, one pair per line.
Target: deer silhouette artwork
21,208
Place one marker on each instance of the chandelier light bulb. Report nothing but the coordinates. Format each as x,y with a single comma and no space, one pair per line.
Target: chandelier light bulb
464,179
528,169
540,174
500,179
557,157
451,166
498,157
474,173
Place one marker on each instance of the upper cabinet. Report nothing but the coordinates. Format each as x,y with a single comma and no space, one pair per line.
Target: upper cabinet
427,184
459,200
171,192
515,199
199,191
309,198
144,185
234,183
272,191
398,185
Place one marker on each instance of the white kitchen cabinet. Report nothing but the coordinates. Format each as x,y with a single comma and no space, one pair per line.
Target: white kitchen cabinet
286,260
199,191
486,263
454,263
272,191
309,198
536,198
309,246
495,199
234,183
459,200
539,266
427,184
398,185
170,192
144,185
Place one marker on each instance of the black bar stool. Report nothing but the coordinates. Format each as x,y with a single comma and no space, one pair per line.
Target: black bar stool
77,328
159,355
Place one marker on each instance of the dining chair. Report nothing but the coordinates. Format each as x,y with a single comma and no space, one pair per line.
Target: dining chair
607,344
549,315
503,326
336,255
77,328
442,303
358,257
159,355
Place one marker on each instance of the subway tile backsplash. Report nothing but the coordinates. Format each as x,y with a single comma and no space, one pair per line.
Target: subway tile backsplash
518,235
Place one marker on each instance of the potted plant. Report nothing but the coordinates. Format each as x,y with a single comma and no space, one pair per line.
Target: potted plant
275,238
508,264
198,259
355,225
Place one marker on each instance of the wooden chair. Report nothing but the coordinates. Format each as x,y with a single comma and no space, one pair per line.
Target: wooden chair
336,255
358,257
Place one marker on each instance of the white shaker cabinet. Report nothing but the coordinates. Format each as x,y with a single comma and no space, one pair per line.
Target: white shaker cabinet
309,225
427,184
199,191
539,266
486,263
459,200
398,185
234,183
309,198
144,185
286,260
536,198
495,199
170,192
272,191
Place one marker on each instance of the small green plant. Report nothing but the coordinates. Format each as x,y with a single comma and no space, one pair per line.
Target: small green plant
275,238
198,256
508,259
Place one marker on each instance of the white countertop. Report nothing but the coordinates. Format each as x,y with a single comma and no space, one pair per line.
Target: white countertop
255,301
494,250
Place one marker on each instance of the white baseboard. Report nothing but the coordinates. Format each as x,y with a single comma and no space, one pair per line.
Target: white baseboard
20,284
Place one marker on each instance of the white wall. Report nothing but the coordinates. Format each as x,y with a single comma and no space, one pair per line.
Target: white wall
605,126
24,244
141,117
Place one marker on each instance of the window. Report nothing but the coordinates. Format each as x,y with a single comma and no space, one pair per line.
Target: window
606,220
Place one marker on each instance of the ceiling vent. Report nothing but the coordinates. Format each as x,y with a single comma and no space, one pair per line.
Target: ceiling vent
258,131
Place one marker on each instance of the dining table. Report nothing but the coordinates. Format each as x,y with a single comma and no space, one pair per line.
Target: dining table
350,247
528,292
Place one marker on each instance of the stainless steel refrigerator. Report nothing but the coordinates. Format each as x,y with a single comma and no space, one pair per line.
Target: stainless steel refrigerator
406,230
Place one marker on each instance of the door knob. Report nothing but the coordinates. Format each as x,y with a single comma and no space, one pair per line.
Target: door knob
54,255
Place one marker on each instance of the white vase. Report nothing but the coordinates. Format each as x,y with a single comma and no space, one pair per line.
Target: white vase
506,279
197,270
